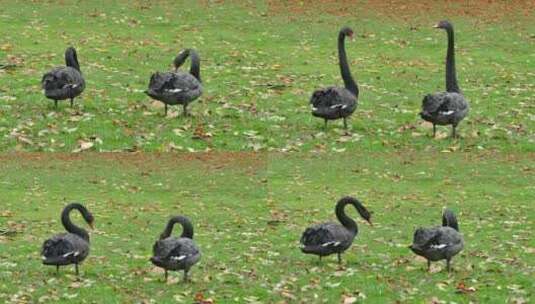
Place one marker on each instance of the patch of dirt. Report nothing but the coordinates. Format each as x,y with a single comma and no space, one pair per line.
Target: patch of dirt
488,10
147,161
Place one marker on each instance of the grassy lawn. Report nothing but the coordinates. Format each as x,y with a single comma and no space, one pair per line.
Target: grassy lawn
261,62
249,211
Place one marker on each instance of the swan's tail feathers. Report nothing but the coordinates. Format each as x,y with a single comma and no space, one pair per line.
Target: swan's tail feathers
449,219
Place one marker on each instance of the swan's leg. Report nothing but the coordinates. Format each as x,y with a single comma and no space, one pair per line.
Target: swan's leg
185,275
55,103
320,258
76,268
165,275
434,130
428,265
185,110
325,125
340,255
345,123
72,101
57,269
453,133
165,110
448,265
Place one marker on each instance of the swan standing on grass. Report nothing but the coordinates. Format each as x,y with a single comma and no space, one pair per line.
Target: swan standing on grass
64,82
329,238
334,102
439,243
68,248
450,107
172,253
178,87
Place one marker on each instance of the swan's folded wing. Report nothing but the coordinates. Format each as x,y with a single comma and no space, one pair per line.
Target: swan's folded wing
327,234
57,246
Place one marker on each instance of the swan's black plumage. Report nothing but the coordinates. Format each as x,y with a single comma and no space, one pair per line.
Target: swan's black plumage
329,238
68,248
178,87
172,253
64,82
334,102
450,107
439,243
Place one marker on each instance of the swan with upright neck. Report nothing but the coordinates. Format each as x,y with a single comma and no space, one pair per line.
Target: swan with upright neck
64,82
439,243
172,253
177,87
335,102
328,238
72,247
450,107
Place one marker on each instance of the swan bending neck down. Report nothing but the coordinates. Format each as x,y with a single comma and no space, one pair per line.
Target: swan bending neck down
334,102
72,247
439,243
172,253
178,87
329,238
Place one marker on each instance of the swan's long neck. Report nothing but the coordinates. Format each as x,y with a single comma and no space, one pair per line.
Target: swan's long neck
349,82
71,60
187,227
67,223
451,77
195,68
345,220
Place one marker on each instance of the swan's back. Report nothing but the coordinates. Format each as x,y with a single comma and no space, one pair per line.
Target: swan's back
175,253
444,108
174,87
326,238
64,249
333,103
437,243
63,83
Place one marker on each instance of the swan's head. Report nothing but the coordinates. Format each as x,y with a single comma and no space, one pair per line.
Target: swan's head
90,221
444,24
347,31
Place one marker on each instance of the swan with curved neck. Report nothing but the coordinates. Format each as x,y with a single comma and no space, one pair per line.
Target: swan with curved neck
440,242
64,82
449,107
72,247
329,238
177,87
176,253
334,102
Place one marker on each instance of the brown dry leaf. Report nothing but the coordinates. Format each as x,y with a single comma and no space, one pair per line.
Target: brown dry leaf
83,145
348,300
462,288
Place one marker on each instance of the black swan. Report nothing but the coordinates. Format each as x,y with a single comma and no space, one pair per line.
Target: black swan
178,87
450,107
334,102
439,243
64,82
328,238
172,253
68,248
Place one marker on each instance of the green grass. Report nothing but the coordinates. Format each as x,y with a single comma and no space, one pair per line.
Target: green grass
249,211
259,68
